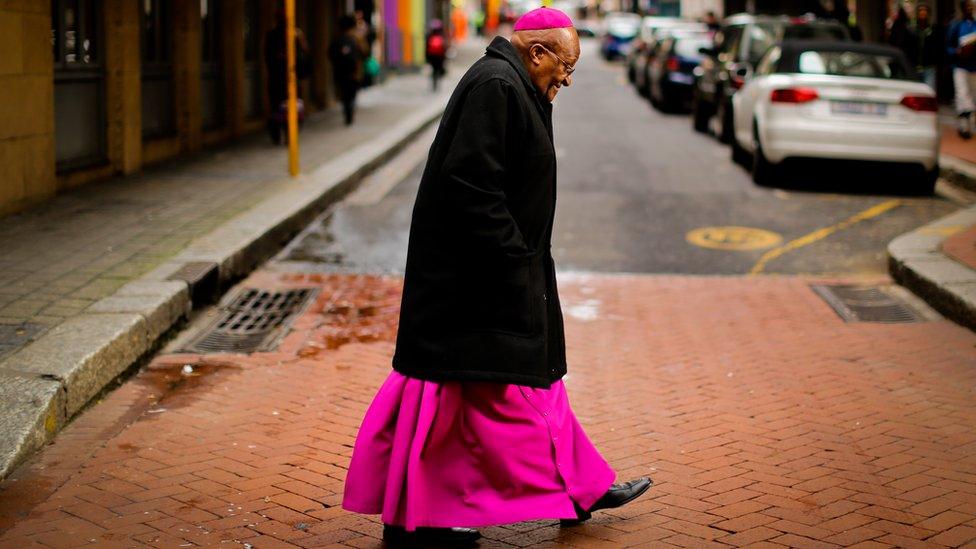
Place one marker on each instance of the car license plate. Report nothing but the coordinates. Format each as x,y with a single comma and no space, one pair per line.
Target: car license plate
859,107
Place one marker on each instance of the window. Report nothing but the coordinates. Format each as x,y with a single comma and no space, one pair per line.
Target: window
761,38
850,63
158,106
768,63
79,102
74,36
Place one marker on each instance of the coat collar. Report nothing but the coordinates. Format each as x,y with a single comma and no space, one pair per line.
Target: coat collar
502,48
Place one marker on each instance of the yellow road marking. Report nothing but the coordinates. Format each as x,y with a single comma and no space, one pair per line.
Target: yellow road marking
820,234
733,238
942,231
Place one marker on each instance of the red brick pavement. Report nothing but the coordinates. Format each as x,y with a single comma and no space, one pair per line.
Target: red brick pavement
962,247
764,419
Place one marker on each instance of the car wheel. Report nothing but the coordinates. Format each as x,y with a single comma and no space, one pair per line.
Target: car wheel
699,114
926,186
725,134
740,156
764,173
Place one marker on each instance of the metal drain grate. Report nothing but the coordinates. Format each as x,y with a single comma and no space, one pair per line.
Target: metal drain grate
866,304
253,320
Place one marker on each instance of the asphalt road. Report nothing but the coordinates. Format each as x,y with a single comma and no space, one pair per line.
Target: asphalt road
641,192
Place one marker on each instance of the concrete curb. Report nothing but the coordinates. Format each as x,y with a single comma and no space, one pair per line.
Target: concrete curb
44,384
916,261
958,172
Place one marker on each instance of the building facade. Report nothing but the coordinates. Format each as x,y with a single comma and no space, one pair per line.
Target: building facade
96,88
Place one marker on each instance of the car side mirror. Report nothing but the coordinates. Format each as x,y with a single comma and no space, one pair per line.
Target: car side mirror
741,70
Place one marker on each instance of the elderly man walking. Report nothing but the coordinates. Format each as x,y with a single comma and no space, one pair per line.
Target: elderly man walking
473,427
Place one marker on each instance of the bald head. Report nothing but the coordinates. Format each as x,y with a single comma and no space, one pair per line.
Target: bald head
549,56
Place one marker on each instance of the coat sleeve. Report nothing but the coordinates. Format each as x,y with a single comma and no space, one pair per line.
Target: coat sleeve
476,167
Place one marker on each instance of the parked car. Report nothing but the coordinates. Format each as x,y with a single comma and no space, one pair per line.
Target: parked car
645,46
741,42
671,74
620,29
644,39
837,100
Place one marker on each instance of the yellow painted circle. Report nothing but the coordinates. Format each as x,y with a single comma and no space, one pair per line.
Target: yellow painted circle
733,238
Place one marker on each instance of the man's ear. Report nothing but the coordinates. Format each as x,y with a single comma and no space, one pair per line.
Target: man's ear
536,53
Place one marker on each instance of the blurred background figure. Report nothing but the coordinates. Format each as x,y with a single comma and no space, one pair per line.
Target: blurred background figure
276,61
436,52
842,13
459,24
366,36
711,21
961,47
347,53
901,35
929,50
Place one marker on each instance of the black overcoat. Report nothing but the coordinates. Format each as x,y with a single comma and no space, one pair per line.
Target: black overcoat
479,293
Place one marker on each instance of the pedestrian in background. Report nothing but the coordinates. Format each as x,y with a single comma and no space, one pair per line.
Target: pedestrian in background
346,54
901,35
961,47
929,50
473,427
276,63
436,52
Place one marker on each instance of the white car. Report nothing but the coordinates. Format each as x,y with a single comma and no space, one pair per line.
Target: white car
836,100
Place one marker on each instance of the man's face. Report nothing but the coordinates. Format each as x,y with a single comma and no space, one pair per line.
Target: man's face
922,14
551,67
967,9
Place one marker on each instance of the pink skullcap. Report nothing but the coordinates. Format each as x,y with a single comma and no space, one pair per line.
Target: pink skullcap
543,18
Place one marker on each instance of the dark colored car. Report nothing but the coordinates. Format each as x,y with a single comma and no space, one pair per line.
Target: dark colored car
646,45
620,30
671,75
739,45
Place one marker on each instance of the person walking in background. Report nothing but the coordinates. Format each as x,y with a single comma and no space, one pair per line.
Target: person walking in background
473,426
929,49
346,54
842,13
901,35
961,47
276,63
436,52
366,36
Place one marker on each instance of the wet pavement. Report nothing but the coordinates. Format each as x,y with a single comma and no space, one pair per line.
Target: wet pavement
634,184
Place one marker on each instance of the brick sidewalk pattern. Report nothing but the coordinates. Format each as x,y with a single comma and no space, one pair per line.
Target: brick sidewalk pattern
764,419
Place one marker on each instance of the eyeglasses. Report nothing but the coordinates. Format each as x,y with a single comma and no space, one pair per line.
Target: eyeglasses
569,68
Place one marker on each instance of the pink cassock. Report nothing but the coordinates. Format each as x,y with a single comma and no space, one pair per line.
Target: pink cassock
471,454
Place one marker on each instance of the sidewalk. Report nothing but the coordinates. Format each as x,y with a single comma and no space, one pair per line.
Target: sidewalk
769,423
93,279
938,261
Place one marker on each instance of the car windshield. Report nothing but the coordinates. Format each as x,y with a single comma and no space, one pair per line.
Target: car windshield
851,63
814,32
689,46
762,36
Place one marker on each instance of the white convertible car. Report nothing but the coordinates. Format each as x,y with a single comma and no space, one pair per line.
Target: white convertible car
836,100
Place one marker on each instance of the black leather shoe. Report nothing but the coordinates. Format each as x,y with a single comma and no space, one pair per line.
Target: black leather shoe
616,496
397,536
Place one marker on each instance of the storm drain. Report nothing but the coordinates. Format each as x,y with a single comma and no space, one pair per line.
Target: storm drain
252,320
855,303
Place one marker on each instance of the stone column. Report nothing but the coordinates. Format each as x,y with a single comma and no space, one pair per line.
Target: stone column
26,105
123,99
186,73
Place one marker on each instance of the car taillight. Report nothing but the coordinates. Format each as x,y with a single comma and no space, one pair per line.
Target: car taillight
794,95
920,103
737,82
673,65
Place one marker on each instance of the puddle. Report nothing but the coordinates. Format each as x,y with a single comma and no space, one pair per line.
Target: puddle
163,379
